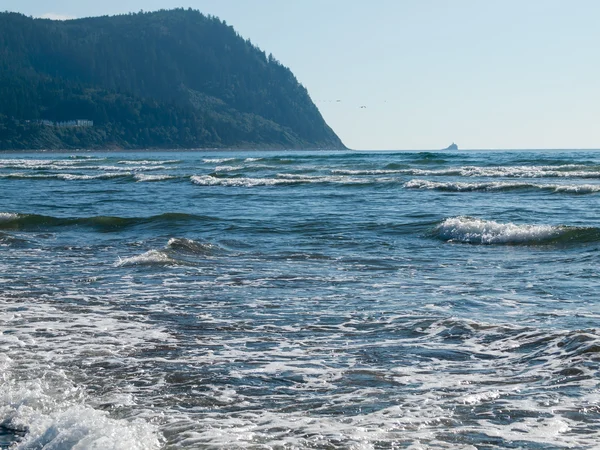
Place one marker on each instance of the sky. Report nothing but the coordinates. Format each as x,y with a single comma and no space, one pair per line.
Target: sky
420,74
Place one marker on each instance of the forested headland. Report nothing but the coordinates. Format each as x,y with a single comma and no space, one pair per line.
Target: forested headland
166,79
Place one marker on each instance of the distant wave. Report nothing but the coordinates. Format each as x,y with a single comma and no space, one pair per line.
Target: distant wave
218,160
207,180
228,168
471,230
83,177
66,165
280,179
66,176
14,221
566,171
149,162
366,171
500,186
153,177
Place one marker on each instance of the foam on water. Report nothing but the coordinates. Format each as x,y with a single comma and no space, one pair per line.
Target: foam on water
479,231
44,397
156,177
177,251
147,162
218,160
8,217
207,180
31,165
150,258
366,171
77,177
50,422
409,402
456,186
228,168
567,171
281,179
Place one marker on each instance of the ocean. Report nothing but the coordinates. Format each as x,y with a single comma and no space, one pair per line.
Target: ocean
300,300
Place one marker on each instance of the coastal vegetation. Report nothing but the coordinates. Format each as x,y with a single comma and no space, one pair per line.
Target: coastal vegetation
166,79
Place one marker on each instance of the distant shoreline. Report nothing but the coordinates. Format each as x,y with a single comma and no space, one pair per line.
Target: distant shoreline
176,150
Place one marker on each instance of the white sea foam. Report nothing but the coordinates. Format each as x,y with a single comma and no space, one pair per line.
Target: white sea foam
146,162
207,180
576,188
79,177
281,179
151,257
37,163
66,176
41,347
573,171
366,172
479,231
458,186
139,168
475,399
53,423
217,160
461,186
228,168
155,177
7,217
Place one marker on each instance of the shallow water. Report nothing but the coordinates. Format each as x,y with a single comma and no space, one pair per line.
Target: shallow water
299,300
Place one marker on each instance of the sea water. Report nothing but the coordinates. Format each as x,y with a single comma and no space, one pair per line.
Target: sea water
292,300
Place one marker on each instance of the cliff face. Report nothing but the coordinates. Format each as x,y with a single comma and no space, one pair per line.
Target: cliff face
168,79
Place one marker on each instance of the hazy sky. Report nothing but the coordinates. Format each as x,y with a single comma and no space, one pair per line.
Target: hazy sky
485,74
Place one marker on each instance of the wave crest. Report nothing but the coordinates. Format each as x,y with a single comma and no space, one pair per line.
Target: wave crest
150,258
190,246
178,251
458,186
471,230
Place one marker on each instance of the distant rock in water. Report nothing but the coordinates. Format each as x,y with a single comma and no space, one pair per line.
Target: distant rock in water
166,79
452,146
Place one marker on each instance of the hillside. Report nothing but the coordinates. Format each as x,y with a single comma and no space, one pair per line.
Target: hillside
167,79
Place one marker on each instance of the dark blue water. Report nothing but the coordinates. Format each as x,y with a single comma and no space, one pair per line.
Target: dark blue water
280,300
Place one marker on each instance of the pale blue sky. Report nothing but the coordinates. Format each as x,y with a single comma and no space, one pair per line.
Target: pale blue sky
482,73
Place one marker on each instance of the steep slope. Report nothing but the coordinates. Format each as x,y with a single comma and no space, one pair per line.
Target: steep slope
164,79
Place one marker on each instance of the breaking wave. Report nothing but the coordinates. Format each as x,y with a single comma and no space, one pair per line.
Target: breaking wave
471,230
67,176
456,186
155,177
178,251
280,179
208,180
566,171
190,246
41,421
150,258
366,172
